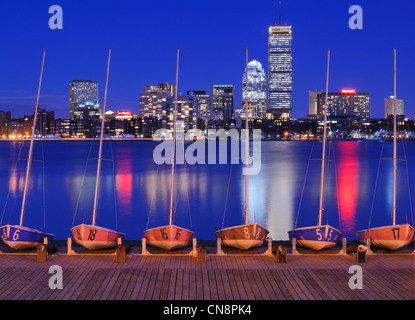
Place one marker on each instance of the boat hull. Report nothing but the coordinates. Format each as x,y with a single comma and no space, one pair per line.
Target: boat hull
168,237
243,237
95,237
316,237
20,238
390,237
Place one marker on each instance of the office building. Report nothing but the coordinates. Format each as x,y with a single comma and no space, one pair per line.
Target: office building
347,102
152,99
81,91
257,90
223,101
186,116
389,107
203,105
280,68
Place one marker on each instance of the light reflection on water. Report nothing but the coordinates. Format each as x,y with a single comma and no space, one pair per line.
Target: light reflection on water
203,200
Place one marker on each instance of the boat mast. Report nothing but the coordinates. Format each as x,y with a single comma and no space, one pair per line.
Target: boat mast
94,212
323,158
394,139
174,140
30,158
246,138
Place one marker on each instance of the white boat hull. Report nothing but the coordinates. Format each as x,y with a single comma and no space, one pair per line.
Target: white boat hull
243,237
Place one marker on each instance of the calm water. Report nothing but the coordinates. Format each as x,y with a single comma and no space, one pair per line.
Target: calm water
135,192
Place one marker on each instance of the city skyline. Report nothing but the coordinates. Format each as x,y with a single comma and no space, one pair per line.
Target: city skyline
361,59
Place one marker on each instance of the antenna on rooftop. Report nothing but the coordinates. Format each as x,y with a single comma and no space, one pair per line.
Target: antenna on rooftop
279,9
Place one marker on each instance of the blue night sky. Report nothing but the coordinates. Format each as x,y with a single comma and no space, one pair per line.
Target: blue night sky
212,37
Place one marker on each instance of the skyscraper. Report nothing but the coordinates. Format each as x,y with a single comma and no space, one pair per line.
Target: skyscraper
257,90
280,68
223,101
81,91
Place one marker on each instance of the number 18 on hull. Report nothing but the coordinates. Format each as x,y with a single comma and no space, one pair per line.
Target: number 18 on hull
94,237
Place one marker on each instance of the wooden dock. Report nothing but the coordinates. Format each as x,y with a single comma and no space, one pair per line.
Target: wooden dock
177,276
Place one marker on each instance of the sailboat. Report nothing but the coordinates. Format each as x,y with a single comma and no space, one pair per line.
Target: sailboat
247,235
19,237
92,236
320,236
170,237
394,236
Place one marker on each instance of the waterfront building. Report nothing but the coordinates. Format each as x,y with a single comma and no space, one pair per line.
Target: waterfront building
223,101
257,90
347,102
389,107
81,91
280,68
203,106
186,115
153,97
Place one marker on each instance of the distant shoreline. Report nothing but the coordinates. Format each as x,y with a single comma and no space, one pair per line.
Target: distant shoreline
151,139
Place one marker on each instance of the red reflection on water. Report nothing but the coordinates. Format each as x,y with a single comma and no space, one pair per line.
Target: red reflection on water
124,181
347,184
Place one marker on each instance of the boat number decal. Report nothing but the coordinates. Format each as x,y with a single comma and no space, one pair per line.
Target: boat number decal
177,237
163,234
246,231
328,239
319,234
92,233
78,234
4,233
395,235
16,235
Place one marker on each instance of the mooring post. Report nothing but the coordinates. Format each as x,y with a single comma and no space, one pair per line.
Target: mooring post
293,246
368,242
143,244
269,250
344,246
69,246
218,247
194,250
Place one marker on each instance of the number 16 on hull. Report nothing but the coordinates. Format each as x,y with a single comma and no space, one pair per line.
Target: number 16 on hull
169,237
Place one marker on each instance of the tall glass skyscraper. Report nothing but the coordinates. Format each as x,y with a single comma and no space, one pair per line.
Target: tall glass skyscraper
280,68
257,90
